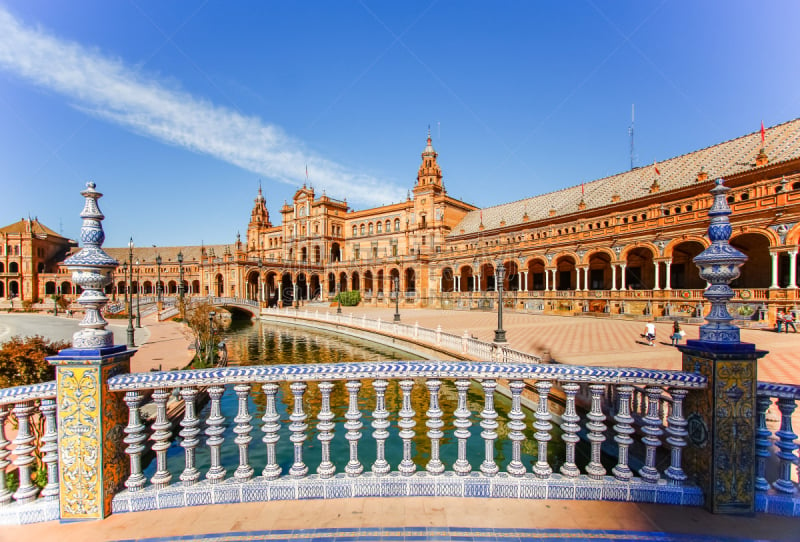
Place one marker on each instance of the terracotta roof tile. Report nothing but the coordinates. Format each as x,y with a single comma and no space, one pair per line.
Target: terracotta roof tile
782,143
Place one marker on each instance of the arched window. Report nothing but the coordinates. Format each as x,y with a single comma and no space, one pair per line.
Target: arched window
396,224
369,228
362,229
355,230
388,226
379,227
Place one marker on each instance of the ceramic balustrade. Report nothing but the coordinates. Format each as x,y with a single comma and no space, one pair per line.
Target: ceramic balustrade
777,448
371,380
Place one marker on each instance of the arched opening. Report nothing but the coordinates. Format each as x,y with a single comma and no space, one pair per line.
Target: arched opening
13,267
394,282
599,271
2,267
65,288
195,287
316,290
336,253
317,253
536,275
13,288
220,286
639,269
565,273
287,289
49,288
148,287
122,287
2,289
271,289
380,282
755,271
304,254
466,280
302,287
342,281
253,288
368,286
487,277
172,287
411,285
683,273
448,280
511,278
355,281
331,284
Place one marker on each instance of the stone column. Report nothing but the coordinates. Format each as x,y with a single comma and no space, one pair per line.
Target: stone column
525,282
613,277
622,276
92,461
546,280
657,280
668,285
774,256
721,419
586,278
792,269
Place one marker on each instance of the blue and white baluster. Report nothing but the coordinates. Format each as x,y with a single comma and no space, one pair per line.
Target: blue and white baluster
161,437
242,429
434,424
462,424
135,438
763,443
624,430
380,423
570,428
786,446
676,437
515,427
189,434
406,424
353,426
542,468
271,426
5,494
23,451
325,426
215,429
651,427
298,429
597,429
489,425
50,448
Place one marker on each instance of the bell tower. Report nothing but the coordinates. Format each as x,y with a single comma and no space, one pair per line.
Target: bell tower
259,222
429,176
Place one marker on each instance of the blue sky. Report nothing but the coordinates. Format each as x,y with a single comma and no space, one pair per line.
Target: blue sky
177,110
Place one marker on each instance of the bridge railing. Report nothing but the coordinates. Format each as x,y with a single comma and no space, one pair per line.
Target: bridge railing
777,447
299,402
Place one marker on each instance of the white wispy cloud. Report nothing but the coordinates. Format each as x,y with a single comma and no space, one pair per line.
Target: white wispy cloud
109,89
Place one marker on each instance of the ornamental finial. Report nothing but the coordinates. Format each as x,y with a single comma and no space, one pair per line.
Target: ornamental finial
91,270
719,265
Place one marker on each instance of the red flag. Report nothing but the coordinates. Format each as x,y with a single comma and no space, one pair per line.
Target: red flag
656,168
762,132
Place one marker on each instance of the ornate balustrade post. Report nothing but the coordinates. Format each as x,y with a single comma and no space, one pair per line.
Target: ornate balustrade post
91,420
722,419
5,494
406,424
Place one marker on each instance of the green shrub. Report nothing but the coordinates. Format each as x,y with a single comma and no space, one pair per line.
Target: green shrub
348,299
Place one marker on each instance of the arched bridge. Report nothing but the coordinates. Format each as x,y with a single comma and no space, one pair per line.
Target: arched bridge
237,304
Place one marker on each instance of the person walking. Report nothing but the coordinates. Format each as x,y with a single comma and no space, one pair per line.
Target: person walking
779,321
788,320
650,333
677,334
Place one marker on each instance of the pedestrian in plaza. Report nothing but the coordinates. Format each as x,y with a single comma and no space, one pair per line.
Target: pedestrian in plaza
779,321
677,333
788,320
650,333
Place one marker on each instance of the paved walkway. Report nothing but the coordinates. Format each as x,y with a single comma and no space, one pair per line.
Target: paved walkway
589,341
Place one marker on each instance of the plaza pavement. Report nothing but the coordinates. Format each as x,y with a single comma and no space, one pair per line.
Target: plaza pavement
579,340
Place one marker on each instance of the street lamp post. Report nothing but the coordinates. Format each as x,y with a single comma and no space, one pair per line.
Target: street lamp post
131,343
138,312
338,299
500,333
397,299
211,316
180,285
158,282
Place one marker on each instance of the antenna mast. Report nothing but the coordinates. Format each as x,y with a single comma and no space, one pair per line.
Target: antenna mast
630,132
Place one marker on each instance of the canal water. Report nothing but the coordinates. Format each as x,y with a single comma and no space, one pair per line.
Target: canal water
267,343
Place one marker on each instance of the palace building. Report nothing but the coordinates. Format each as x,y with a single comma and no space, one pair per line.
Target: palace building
620,245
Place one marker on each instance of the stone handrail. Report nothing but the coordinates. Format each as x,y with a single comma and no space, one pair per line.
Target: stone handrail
779,447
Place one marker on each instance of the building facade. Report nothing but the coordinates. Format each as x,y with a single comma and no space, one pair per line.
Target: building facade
619,245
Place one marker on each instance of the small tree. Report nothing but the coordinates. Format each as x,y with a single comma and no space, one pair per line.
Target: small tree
197,318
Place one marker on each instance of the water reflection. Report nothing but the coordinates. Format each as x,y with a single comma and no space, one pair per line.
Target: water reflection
267,343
